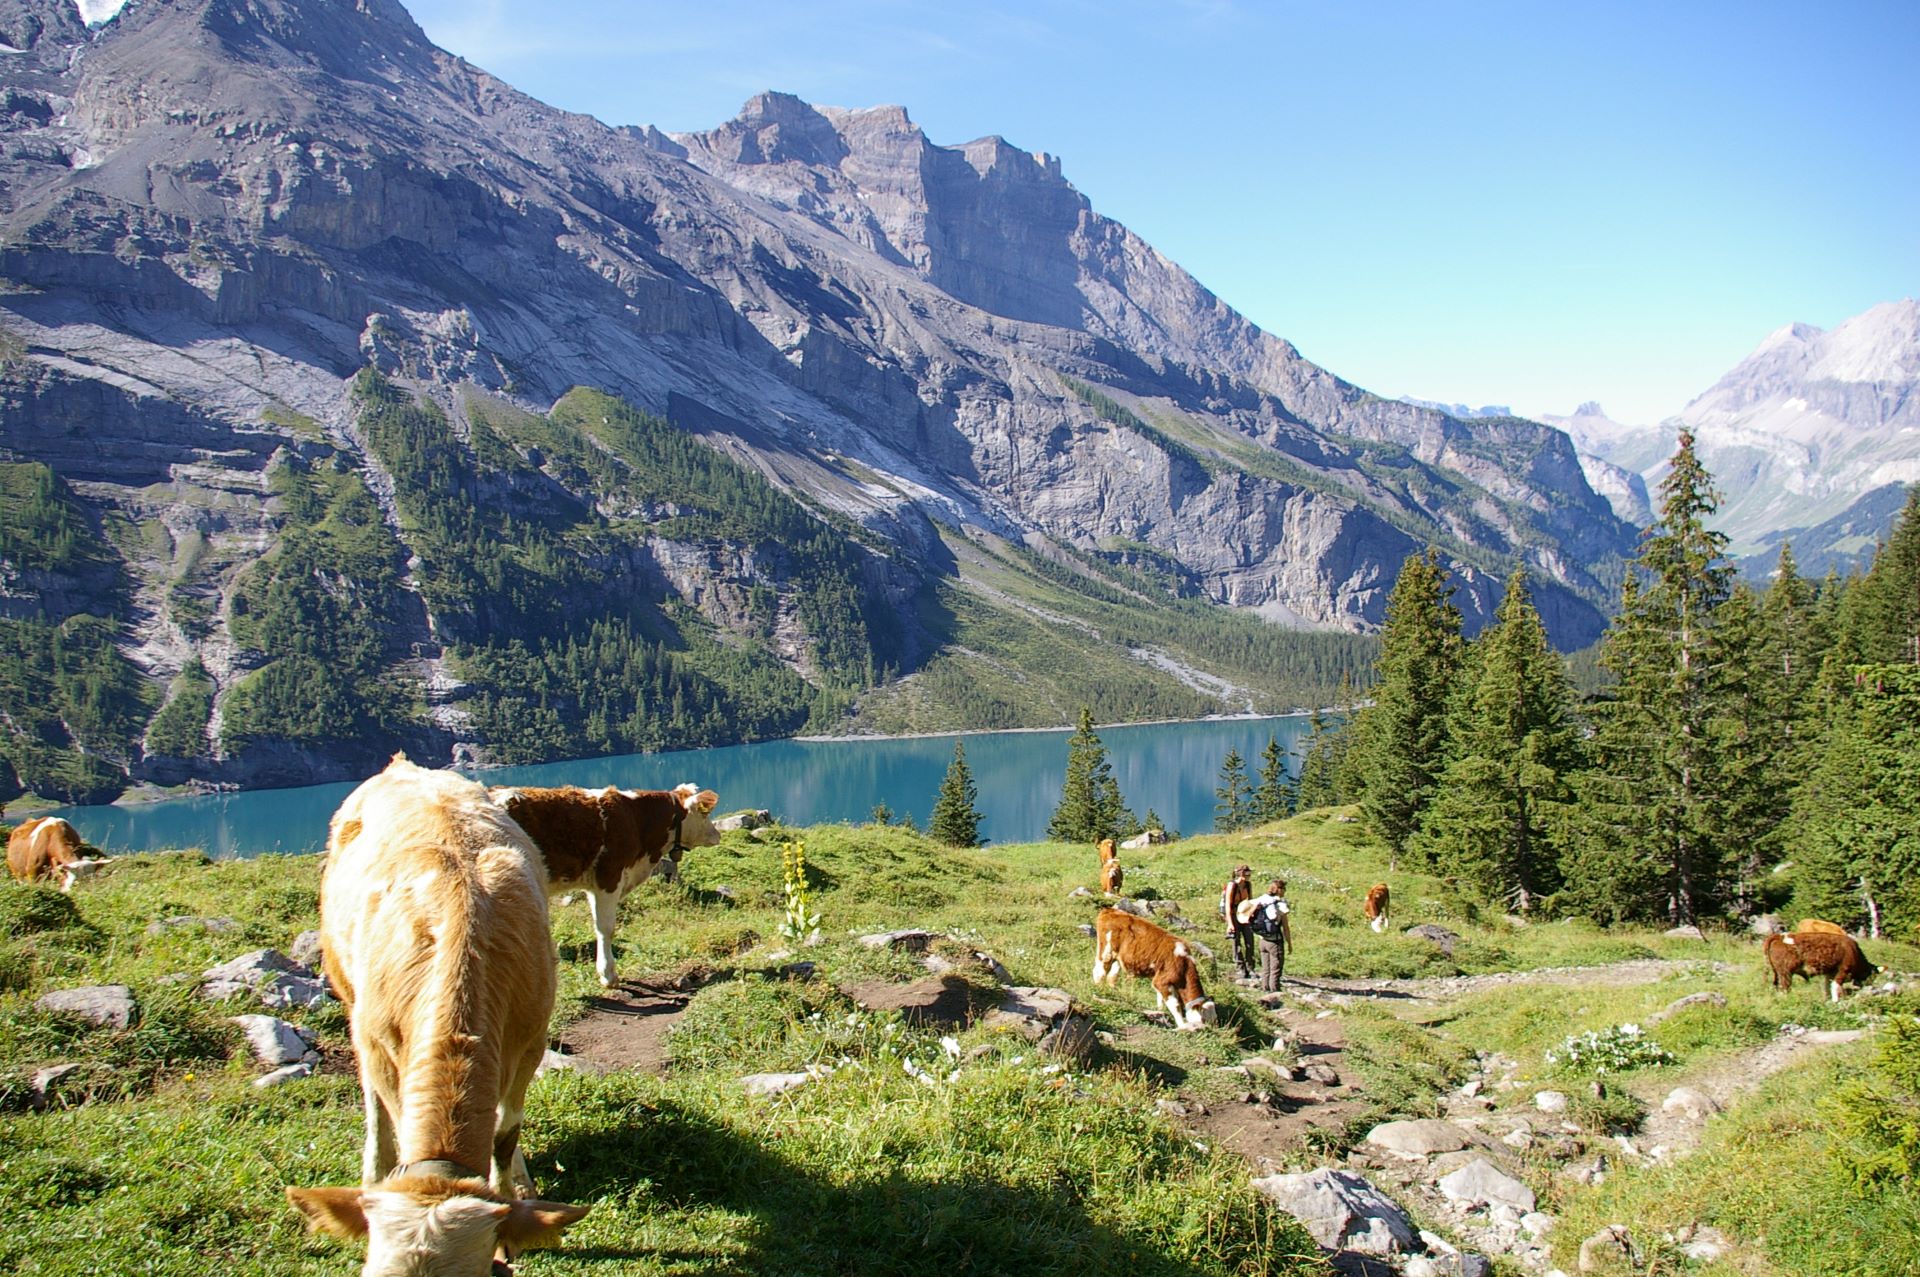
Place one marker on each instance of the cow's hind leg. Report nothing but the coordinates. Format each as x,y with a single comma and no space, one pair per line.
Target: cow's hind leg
606,916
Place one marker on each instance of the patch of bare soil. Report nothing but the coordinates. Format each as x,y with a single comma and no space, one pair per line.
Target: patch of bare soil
945,1002
1636,971
1273,1118
626,1027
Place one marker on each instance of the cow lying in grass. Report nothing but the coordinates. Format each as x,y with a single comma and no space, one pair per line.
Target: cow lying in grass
433,924
609,841
1122,941
48,847
1837,959
1379,905
1110,873
1819,926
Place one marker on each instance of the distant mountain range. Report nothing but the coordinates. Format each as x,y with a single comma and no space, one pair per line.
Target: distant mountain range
359,400
1811,438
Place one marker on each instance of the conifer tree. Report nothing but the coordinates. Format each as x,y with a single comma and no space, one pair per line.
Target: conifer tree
1233,807
1275,797
1652,837
1885,616
956,815
1317,765
1515,750
1090,804
1401,738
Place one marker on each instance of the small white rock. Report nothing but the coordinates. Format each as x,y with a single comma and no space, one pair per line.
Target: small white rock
1550,1101
287,1074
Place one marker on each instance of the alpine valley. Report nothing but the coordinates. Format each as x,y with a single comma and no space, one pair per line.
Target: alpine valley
351,400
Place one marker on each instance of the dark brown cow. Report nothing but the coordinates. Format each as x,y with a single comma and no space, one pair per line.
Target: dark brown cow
1817,953
1122,941
608,841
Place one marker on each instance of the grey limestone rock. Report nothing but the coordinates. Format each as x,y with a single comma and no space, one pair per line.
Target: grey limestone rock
1439,937
1481,1181
1421,1137
274,1041
110,1006
1342,1211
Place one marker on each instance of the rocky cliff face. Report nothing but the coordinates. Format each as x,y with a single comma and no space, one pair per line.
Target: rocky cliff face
213,213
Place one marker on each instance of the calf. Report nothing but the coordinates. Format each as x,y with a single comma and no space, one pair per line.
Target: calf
433,925
1122,941
1111,875
1817,953
608,841
48,847
1379,904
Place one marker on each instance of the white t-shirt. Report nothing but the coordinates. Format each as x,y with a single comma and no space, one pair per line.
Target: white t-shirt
1276,907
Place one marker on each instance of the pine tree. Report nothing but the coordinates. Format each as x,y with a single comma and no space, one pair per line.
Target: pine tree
1402,736
1652,810
1886,610
956,817
1275,798
1234,808
1515,749
1090,804
1317,765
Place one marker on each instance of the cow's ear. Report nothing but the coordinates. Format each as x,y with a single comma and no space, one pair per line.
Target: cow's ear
707,800
535,1223
340,1211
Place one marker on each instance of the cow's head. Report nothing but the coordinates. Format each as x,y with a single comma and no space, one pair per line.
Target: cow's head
696,820
426,1226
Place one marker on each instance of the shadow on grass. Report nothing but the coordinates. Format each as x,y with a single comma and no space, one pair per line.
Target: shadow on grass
867,1220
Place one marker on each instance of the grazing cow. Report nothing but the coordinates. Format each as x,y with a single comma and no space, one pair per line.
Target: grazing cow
608,841
1110,873
433,925
48,847
1122,941
1819,926
1817,953
1379,904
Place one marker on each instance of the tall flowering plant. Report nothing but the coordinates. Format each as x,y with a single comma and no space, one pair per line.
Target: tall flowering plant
802,922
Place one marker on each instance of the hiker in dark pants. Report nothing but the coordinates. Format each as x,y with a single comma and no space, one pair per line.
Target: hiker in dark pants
1271,930
1233,896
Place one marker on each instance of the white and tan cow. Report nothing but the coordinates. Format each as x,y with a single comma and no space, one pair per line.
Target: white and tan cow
608,841
48,847
1122,941
433,923
1379,906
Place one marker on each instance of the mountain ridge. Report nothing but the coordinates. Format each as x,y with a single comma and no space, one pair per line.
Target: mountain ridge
217,213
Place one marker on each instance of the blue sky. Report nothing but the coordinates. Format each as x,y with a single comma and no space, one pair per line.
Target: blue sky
1532,204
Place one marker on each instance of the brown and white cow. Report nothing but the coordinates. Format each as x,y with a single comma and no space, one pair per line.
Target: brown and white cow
608,841
1123,942
48,847
1836,958
433,924
1111,875
1379,905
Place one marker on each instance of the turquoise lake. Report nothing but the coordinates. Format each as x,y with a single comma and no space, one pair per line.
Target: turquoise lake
1172,768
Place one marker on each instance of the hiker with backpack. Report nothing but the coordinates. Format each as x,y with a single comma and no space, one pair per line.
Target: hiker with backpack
1237,892
1267,918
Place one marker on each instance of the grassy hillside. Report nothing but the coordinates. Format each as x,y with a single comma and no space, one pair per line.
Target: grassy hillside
159,1157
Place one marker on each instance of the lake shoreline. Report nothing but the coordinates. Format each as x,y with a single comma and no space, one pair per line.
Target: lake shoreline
868,737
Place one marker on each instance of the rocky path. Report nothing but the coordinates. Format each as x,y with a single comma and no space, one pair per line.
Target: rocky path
1635,971
1676,1121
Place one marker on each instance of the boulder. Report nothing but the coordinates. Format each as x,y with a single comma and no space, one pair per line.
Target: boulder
907,940
110,1006
1685,1101
1550,1101
1323,1074
1439,937
305,950
1144,839
1481,1181
1685,933
287,1073
1030,1012
273,1040
274,978
758,1085
1705,998
1537,1223
1342,1211
753,818
1419,1138
1610,1250
559,1062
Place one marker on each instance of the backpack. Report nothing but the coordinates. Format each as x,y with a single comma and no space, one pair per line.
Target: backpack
1266,922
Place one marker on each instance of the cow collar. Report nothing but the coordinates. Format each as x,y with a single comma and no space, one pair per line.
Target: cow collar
679,824
441,1166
